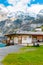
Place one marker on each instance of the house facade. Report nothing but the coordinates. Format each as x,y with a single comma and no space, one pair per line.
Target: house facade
25,38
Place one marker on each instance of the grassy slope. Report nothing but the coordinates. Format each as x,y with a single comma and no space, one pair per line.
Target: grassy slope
25,58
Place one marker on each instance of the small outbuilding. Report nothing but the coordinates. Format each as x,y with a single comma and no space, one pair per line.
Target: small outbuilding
25,38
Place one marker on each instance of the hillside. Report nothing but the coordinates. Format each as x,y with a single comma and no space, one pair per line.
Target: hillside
21,21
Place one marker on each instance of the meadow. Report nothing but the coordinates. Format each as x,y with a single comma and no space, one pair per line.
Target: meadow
26,56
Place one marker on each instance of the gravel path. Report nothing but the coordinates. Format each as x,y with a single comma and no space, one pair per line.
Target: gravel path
6,50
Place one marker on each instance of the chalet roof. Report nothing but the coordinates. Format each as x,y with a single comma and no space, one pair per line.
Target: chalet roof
23,32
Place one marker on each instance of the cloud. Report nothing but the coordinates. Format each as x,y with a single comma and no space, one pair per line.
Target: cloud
3,9
15,2
3,12
19,5
35,8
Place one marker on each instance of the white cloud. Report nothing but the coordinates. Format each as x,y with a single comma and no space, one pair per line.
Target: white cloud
20,5
3,12
35,8
3,9
10,9
15,2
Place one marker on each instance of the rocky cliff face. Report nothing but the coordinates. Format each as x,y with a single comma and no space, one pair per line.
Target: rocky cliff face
19,21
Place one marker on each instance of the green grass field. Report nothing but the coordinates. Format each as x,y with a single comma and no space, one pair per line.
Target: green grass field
23,57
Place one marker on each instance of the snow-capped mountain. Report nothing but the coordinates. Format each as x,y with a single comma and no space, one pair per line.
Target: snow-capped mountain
19,21
13,24
40,16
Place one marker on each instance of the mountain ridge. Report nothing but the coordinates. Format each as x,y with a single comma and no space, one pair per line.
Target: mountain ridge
22,21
